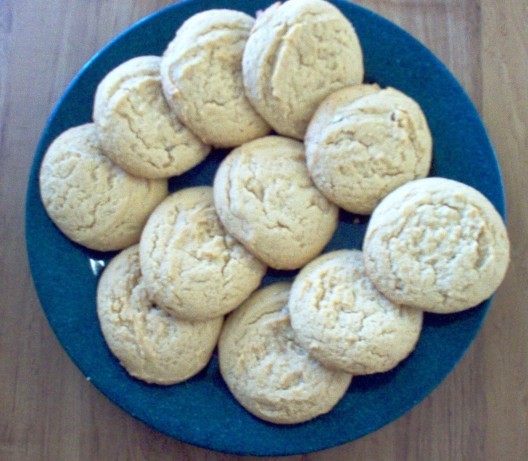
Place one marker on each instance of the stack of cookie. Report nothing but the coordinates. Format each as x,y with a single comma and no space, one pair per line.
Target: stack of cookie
288,351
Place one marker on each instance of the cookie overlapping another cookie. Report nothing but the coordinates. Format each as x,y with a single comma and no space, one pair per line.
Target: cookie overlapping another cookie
287,356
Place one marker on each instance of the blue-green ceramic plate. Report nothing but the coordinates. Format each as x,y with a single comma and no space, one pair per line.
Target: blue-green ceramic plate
201,411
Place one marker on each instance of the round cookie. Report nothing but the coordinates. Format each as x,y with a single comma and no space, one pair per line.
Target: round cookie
298,53
92,201
202,78
436,244
192,267
266,199
363,142
267,372
344,322
136,128
151,344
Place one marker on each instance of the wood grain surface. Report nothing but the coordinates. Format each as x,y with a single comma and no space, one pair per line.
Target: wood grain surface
48,411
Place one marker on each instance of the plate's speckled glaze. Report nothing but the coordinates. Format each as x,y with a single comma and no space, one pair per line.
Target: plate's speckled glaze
201,411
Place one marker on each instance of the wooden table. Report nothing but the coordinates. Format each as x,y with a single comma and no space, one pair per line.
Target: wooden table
48,411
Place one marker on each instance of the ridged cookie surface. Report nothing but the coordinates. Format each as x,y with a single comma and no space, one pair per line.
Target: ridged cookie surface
298,53
436,244
363,142
266,199
267,372
92,200
202,78
136,128
343,321
151,344
191,265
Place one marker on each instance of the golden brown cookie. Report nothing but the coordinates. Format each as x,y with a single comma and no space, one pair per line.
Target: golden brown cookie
343,321
151,344
202,78
91,200
363,142
136,128
436,244
299,52
268,373
191,265
266,199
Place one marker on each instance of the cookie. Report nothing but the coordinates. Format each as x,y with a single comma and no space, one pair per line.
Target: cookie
363,142
266,199
150,344
202,78
344,322
267,372
298,53
192,266
136,128
91,200
436,244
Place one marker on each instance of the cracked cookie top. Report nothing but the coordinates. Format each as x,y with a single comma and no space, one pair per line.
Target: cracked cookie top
436,244
266,199
363,142
92,201
191,265
136,127
298,53
202,78
267,372
150,343
343,321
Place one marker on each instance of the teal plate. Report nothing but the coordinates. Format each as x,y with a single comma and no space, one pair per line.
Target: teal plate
201,411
